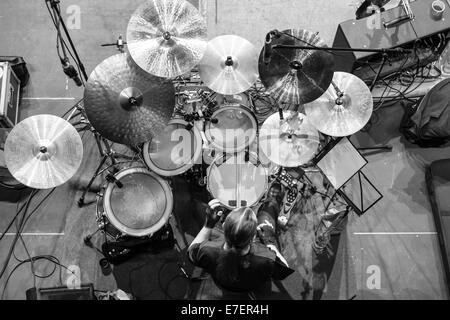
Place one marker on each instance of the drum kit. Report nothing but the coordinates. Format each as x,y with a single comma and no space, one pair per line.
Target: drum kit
131,99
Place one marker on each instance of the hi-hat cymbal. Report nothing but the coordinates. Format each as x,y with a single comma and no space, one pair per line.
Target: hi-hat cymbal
43,151
290,142
167,38
125,104
230,65
297,76
342,116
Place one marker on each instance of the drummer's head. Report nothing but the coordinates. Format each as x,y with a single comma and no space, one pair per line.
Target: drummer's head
240,228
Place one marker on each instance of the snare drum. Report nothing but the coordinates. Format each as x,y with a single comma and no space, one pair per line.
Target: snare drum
235,182
236,128
175,150
138,204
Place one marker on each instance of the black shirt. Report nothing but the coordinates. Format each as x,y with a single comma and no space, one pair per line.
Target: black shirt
255,269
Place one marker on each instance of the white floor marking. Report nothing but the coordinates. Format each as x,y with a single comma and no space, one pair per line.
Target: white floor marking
392,233
34,234
48,98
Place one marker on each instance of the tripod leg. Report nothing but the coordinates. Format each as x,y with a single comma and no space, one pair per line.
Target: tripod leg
81,200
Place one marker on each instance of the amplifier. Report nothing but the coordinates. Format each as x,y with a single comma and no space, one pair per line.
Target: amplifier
9,96
85,292
370,33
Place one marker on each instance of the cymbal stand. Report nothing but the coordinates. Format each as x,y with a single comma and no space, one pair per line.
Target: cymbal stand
104,147
120,44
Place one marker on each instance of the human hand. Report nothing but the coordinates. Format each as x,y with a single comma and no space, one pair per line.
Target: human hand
213,214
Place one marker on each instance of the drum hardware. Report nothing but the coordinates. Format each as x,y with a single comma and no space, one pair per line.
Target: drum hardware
175,150
295,76
167,38
120,44
106,153
236,128
229,65
236,183
290,142
43,151
125,104
344,109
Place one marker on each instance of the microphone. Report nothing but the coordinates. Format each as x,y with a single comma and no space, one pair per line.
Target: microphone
268,48
111,178
71,72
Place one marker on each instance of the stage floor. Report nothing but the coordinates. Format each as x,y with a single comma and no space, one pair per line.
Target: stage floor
396,239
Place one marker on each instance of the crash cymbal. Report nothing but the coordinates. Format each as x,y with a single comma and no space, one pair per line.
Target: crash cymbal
230,65
167,38
43,151
297,76
125,104
291,142
344,116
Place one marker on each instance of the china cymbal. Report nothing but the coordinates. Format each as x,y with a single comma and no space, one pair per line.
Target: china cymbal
297,76
43,151
291,142
125,104
230,65
167,38
341,117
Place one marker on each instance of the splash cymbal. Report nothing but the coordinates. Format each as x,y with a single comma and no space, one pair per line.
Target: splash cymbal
125,104
342,116
291,142
230,65
297,76
43,151
167,38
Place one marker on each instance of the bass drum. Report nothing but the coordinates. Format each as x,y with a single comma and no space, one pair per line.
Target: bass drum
175,150
137,204
235,182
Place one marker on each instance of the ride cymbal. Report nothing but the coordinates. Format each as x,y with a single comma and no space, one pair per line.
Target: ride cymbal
296,76
125,104
345,113
290,142
230,65
43,151
167,38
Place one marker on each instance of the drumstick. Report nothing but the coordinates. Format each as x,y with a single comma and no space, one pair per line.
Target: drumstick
237,182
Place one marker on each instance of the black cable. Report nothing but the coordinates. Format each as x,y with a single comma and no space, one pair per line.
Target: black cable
15,217
49,258
22,224
8,257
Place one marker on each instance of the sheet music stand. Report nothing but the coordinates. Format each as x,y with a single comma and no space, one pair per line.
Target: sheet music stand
342,163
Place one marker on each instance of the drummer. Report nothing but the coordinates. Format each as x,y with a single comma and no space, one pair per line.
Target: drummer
244,255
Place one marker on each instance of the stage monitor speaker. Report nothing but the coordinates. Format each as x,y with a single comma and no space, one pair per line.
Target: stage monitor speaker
424,34
86,292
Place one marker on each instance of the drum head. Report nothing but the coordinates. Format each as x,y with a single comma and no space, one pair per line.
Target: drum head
235,182
235,130
175,150
141,206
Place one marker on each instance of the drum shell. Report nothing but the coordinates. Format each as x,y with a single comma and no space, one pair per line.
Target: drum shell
114,225
238,184
235,133
192,148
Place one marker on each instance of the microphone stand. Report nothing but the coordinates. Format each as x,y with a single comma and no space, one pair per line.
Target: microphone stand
103,145
54,4
384,53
